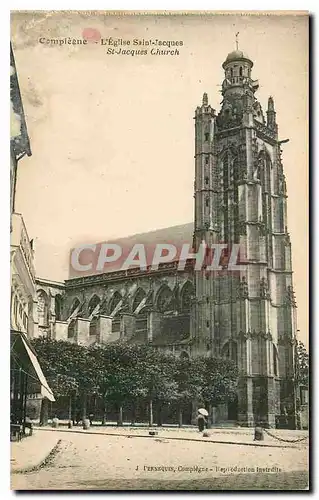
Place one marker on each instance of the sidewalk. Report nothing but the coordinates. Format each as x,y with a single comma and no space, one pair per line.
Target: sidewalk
31,451
239,436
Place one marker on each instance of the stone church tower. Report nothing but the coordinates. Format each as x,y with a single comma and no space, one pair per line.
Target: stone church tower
240,198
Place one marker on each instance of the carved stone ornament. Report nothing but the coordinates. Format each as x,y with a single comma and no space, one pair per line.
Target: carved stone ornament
264,290
291,300
242,292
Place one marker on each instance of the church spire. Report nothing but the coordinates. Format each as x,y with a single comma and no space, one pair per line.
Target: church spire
271,114
236,37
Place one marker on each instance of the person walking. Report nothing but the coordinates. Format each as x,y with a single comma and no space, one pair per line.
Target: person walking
201,422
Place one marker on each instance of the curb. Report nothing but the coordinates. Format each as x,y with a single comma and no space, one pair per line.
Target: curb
42,463
239,443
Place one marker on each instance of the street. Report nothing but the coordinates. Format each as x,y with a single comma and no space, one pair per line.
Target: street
104,462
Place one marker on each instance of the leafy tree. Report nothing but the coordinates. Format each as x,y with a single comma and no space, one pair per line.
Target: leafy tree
121,372
220,381
189,376
134,373
68,368
157,379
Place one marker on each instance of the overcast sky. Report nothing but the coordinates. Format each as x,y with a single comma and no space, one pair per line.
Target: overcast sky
112,136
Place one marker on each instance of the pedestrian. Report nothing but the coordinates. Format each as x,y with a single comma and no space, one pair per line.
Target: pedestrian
201,421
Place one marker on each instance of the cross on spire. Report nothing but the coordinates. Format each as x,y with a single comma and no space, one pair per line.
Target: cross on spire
237,40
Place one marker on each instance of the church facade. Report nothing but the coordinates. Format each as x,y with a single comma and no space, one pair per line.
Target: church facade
249,315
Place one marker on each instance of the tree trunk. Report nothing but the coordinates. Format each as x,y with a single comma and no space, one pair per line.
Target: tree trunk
70,408
159,415
150,416
44,413
180,416
104,418
133,413
209,418
84,405
120,416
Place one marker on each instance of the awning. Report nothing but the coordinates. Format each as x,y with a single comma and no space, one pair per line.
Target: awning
31,365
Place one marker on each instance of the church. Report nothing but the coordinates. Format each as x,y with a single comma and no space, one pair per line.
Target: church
249,316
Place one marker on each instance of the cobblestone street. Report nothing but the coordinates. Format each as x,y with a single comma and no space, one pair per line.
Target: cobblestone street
124,462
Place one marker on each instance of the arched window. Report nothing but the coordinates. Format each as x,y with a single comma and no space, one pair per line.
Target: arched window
264,173
186,297
116,299
236,200
138,298
231,72
43,308
240,71
141,324
58,307
164,298
229,351
94,302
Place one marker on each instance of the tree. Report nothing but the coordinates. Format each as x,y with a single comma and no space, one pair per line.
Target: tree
157,379
121,372
189,376
68,367
134,373
220,381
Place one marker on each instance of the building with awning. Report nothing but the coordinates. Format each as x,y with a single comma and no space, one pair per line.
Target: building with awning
27,380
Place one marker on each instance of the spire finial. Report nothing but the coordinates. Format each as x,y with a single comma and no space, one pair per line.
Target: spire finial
236,36
205,99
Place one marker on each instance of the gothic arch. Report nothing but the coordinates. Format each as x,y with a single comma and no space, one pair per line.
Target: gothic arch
264,176
43,308
264,166
229,350
58,307
114,301
186,292
163,298
75,304
229,168
93,303
138,297
140,310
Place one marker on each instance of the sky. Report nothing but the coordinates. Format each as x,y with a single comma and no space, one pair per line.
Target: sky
112,136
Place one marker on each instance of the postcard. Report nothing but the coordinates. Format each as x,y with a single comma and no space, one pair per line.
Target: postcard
159,250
